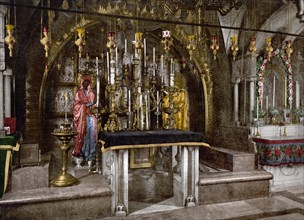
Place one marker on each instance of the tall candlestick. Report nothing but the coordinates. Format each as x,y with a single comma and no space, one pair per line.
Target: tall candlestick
116,63
258,108
157,100
145,53
126,46
285,92
297,94
154,65
108,67
273,92
162,68
97,83
129,100
65,107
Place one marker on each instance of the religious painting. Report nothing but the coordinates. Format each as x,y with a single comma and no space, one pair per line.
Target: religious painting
142,157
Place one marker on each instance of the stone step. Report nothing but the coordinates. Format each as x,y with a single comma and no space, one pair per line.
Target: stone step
90,199
223,158
233,186
32,177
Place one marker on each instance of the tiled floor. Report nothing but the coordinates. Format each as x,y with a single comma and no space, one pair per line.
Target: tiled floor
284,205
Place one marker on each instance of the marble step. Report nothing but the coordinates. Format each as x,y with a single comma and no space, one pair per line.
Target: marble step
90,199
233,186
32,177
223,158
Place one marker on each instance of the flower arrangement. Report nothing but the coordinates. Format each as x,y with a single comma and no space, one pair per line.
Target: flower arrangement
299,112
274,112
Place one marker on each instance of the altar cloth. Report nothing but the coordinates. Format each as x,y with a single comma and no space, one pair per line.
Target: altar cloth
8,145
145,139
279,151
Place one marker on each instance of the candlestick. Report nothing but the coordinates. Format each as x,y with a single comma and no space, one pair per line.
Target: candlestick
154,61
125,46
162,68
258,108
108,66
157,100
116,63
145,53
273,92
297,94
129,100
97,83
65,107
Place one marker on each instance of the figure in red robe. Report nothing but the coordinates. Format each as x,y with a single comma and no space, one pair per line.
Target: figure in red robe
85,123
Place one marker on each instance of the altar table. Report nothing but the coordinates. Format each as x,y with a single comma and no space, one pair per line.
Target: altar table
281,150
119,143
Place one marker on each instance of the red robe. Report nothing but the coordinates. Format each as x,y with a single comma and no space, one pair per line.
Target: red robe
79,112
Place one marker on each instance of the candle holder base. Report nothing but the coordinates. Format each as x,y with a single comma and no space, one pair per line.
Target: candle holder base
64,179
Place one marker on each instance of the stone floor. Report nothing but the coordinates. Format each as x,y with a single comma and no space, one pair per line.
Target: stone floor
283,205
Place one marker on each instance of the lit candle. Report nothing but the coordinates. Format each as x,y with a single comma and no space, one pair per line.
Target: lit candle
108,67
97,83
273,92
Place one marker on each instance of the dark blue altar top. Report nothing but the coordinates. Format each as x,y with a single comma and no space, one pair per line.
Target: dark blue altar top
155,138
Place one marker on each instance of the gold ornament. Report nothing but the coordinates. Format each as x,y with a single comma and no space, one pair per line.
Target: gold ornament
80,42
111,43
234,47
45,41
214,46
268,48
252,47
191,46
10,39
288,49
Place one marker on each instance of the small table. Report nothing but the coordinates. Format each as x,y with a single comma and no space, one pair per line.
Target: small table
119,144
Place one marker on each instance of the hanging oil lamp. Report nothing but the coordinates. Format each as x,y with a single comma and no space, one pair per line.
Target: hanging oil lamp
234,47
252,47
214,46
288,49
268,48
10,39
111,43
80,42
191,46
45,41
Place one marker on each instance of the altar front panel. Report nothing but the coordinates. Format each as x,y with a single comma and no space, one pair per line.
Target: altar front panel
281,150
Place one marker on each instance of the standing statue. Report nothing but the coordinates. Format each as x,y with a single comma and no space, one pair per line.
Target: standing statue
85,123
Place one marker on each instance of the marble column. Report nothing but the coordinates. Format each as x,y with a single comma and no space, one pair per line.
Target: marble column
7,93
2,66
252,98
236,101
1,103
